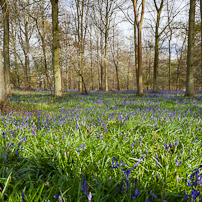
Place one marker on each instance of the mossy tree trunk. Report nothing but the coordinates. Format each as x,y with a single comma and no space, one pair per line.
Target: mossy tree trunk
55,51
5,9
3,95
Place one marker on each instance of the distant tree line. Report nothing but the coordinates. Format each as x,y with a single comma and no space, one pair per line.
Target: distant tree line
78,44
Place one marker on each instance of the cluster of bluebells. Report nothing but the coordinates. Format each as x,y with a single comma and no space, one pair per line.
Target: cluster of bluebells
105,114
116,164
194,181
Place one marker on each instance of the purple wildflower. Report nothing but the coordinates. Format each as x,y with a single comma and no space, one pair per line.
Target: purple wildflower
84,186
89,196
136,193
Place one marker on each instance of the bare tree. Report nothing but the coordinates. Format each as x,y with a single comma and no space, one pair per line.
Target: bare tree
41,32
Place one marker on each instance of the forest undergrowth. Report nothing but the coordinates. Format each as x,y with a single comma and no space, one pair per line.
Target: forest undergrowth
102,147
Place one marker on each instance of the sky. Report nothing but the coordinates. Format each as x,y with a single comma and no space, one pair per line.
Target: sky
126,28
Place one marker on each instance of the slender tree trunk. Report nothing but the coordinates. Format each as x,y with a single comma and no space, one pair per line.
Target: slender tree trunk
127,86
106,47
98,66
2,82
156,57
15,56
70,78
117,77
44,47
156,54
140,84
56,56
102,62
178,78
150,67
26,57
136,52
170,88
169,62
179,65
148,72
6,46
16,66
91,57
67,78
190,54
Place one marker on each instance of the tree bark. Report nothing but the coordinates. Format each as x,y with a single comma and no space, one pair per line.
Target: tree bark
102,63
136,53
190,54
140,84
156,54
55,51
91,58
6,46
106,47
3,95
139,29
42,36
170,88
27,84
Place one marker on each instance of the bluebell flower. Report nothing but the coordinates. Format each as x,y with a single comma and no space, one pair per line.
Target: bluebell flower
89,196
153,195
5,158
136,193
23,196
84,186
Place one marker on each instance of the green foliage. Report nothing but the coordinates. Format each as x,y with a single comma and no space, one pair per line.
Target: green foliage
52,146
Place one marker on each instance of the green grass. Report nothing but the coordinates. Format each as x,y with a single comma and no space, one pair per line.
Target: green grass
51,146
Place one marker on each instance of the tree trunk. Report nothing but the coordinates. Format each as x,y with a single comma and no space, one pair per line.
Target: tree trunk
102,62
6,47
56,56
150,67
139,29
106,47
136,53
190,54
67,78
70,78
15,56
156,56
91,58
44,46
127,86
2,82
26,57
98,66
140,84
170,88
